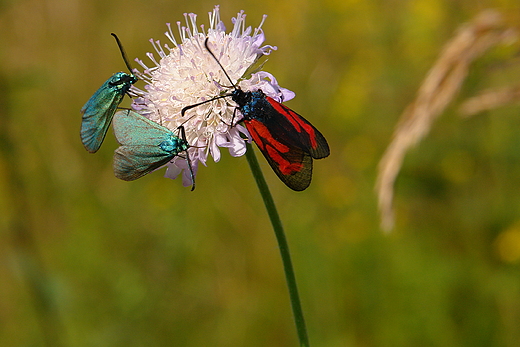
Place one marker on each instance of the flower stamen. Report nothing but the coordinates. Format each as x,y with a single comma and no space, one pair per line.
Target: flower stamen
184,86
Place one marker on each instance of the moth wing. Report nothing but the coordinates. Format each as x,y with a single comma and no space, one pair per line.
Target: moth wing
295,130
130,128
291,164
140,151
298,179
97,115
135,161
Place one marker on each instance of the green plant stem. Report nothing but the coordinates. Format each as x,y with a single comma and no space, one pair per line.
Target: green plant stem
282,245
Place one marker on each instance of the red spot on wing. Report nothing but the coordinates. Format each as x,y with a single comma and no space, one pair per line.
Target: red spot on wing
262,136
271,147
296,120
284,165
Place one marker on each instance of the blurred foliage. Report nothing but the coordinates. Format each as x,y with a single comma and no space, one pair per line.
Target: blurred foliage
88,260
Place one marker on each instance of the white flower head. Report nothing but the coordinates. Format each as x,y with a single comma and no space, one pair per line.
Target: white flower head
187,74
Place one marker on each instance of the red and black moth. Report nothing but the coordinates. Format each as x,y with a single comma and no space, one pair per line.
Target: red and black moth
286,139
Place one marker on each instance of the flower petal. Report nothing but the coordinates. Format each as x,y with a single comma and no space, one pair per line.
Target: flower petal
187,74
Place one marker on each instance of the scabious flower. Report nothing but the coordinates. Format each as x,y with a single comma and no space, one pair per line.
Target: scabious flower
187,74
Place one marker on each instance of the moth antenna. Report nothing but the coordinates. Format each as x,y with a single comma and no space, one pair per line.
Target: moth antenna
183,111
218,62
123,53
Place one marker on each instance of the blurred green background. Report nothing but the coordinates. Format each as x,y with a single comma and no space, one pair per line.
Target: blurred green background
88,260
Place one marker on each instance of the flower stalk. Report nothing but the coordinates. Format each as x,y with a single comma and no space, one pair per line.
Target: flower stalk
282,245
189,86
